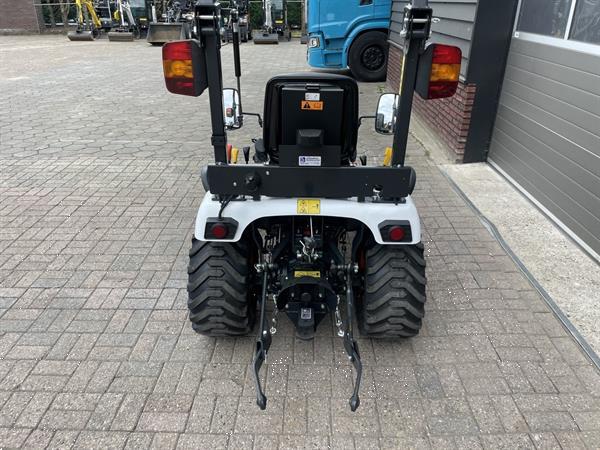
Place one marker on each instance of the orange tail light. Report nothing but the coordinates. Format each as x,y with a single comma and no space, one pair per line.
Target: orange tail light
184,68
439,71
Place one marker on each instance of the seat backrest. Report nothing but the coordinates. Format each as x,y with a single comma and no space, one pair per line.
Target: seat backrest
308,106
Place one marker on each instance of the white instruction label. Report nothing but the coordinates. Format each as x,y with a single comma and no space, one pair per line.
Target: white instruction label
314,161
312,96
305,313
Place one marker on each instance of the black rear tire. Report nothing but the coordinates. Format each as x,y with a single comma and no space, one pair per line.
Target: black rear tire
368,57
392,304
220,299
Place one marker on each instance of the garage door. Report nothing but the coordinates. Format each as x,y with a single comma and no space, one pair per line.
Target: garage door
547,132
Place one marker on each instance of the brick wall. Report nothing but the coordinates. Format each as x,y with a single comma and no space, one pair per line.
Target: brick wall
450,118
18,16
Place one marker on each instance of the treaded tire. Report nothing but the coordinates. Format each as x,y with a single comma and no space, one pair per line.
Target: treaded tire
220,300
371,47
393,301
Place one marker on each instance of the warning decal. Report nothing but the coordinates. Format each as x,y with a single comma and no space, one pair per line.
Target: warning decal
311,106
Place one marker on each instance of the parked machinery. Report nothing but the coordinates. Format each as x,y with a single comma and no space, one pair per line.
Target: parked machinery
104,9
242,7
88,22
275,24
280,19
127,29
175,25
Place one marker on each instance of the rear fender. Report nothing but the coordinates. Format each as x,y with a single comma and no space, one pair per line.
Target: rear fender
371,214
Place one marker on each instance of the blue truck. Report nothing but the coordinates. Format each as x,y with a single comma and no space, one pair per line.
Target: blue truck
349,34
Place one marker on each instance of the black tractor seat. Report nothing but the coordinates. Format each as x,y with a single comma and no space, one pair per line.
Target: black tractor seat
311,119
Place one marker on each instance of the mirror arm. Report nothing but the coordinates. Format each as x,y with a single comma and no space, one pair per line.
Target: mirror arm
361,118
260,121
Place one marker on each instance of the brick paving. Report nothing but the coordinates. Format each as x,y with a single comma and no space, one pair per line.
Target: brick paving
98,192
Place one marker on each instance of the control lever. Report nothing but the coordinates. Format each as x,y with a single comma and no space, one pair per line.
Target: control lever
246,151
363,160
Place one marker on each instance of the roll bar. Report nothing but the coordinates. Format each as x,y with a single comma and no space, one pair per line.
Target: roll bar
416,29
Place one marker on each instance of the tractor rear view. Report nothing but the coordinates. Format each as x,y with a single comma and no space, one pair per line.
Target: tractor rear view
302,229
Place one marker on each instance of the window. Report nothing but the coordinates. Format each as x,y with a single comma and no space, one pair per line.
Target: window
547,17
572,22
586,22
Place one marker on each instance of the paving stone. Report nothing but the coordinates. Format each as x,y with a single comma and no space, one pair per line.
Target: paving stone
194,441
129,412
35,409
13,437
550,421
507,441
65,419
38,439
162,421
138,440
100,440
104,412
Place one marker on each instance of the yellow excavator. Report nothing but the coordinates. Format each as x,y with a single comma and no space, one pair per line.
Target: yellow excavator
88,22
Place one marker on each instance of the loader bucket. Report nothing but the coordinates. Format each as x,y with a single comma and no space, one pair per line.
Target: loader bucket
160,33
80,36
260,37
120,36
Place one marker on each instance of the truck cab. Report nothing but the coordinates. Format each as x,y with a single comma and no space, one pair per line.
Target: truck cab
349,34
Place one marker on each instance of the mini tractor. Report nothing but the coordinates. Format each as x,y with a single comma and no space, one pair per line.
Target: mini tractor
301,229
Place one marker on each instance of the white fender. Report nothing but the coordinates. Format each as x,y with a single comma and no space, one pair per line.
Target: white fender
370,213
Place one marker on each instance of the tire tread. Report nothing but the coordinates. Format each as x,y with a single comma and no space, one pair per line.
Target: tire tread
218,298
393,301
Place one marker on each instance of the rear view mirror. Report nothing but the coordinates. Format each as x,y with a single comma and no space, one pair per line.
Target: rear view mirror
385,119
232,109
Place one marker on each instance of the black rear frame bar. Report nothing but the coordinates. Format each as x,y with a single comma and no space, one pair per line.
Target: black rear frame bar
390,183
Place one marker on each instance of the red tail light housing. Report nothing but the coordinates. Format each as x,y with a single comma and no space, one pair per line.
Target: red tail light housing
184,68
396,234
439,71
220,229
396,231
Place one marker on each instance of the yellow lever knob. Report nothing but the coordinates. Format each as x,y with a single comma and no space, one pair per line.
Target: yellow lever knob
387,158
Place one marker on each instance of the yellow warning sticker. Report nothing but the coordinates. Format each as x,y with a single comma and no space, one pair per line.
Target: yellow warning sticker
307,273
308,206
306,105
